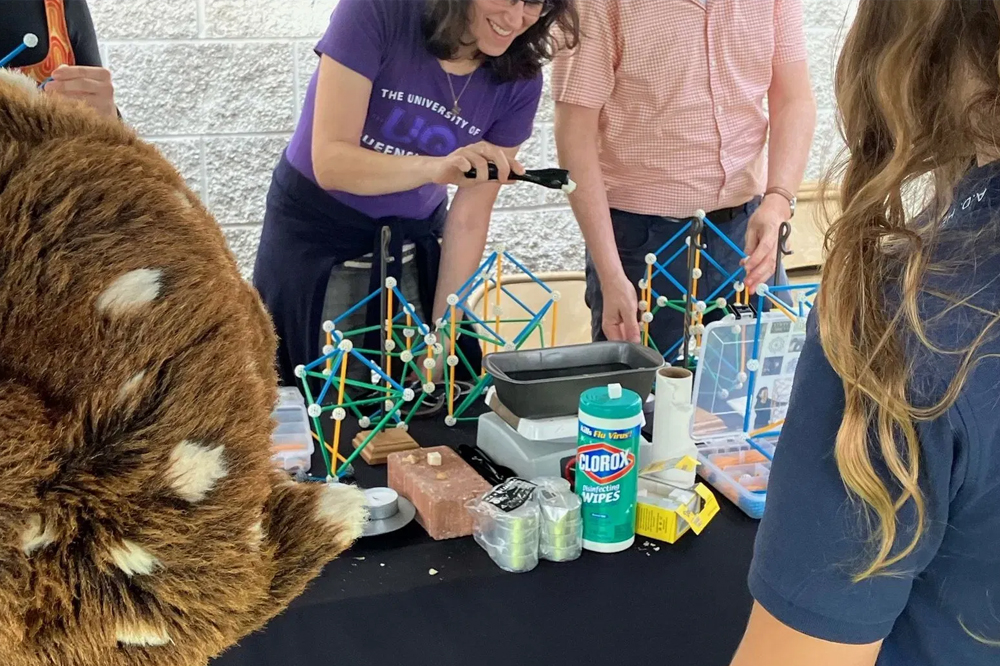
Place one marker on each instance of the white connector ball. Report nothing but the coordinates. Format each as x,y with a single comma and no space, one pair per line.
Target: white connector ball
737,329
555,296
450,421
364,422
700,214
650,259
452,299
687,241
643,306
339,414
729,318
403,426
509,347
390,282
696,273
753,365
314,410
720,303
389,404
430,339
428,387
738,287
409,309
498,310
430,363
408,333
723,394
408,395
300,371
662,301
452,361
346,345
642,283
390,345
500,248
329,326
328,349
742,377
701,306
698,329
647,317
30,40
761,289
439,349
327,372
406,356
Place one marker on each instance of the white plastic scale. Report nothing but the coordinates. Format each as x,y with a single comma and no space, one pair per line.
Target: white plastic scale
532,447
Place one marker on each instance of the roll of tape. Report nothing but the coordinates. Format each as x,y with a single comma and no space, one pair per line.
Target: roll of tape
382,503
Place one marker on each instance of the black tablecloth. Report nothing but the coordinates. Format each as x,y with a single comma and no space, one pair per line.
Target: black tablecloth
378,605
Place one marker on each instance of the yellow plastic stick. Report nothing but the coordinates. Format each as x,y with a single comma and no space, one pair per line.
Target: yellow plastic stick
388,332
555,321
329,361
340,401
776,303
409,327
486,303
768,427
451,368
647,296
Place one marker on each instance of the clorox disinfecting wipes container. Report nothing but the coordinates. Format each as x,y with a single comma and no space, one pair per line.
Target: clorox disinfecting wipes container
607,466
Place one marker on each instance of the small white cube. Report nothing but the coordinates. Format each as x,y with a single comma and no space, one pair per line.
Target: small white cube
434,459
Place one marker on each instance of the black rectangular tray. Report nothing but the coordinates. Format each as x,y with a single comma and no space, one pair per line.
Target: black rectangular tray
546,383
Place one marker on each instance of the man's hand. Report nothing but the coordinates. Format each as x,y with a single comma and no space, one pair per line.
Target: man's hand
621,308
762,240
90,85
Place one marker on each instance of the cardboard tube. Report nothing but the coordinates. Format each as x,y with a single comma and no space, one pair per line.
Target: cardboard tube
672,416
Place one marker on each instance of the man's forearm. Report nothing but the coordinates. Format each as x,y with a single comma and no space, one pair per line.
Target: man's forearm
576,141
793,124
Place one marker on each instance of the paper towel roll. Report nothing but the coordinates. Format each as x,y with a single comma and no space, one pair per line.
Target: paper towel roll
672,415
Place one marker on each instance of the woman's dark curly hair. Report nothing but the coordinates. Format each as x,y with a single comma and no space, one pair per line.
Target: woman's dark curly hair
445,23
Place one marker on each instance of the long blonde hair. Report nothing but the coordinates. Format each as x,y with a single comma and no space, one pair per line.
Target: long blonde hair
918,89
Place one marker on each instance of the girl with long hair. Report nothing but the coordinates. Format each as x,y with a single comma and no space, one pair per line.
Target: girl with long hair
880,543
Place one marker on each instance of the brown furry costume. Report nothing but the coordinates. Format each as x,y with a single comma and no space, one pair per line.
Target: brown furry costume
140,521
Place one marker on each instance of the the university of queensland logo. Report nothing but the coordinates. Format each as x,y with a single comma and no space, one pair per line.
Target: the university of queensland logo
603,463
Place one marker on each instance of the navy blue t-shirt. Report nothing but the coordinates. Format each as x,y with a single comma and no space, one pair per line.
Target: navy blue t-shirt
812,538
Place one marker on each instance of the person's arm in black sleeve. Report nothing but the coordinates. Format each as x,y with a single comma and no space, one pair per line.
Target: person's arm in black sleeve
82,35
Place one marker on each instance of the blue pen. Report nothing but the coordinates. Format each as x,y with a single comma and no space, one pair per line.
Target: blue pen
30,41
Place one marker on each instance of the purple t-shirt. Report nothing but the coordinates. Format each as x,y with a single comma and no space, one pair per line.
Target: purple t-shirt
410,108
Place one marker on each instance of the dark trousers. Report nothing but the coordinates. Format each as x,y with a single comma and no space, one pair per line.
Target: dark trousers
638,235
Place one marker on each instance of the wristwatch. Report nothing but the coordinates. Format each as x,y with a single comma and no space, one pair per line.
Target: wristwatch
792,199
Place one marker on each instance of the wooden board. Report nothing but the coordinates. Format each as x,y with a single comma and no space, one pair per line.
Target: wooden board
384,443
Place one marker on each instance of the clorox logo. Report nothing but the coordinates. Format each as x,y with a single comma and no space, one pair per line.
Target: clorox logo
603,463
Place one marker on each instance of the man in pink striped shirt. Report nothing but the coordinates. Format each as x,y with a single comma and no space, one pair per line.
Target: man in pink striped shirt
660,112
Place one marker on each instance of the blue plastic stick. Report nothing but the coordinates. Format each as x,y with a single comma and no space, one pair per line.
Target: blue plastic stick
752,380
21,48
485,266
711,260
321,360
518,301
527,272
661,270
532,324
357,306
416,318
472,315
725,238
335,369
377,370
674,238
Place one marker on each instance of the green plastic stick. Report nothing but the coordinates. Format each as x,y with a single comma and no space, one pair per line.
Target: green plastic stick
377,429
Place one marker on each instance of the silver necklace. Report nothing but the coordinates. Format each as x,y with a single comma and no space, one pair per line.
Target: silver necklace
456,109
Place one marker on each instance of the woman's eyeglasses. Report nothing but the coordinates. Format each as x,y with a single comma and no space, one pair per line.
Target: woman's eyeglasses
537,7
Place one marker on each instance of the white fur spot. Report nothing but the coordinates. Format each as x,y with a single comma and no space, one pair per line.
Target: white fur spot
131,385
344,505
34,538
256,535
142,635
194,469
18,80
134,560
130,291
183,198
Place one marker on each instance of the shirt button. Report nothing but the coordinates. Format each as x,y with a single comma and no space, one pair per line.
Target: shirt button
718,108
712,62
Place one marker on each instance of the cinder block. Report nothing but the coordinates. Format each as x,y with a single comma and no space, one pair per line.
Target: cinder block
238,174
188,88
185,155
267,18
144,19
243,242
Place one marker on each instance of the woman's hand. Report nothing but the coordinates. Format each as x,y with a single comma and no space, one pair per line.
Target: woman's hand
451,170
90,85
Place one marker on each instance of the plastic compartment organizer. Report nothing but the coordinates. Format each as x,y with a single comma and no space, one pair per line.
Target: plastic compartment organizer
740,403
291,441
544,383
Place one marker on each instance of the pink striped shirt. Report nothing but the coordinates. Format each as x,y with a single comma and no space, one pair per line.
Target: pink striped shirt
681,89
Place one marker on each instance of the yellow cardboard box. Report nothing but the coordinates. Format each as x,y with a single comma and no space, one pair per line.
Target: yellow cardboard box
667,513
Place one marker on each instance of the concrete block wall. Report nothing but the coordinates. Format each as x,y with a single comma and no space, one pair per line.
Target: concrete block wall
217,85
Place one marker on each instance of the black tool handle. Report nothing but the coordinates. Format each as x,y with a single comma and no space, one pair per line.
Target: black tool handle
551,178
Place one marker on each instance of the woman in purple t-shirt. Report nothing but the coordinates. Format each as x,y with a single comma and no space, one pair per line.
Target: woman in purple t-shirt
409,95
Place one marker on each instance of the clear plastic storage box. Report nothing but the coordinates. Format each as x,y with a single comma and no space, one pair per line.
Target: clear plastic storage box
740,403
291,442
